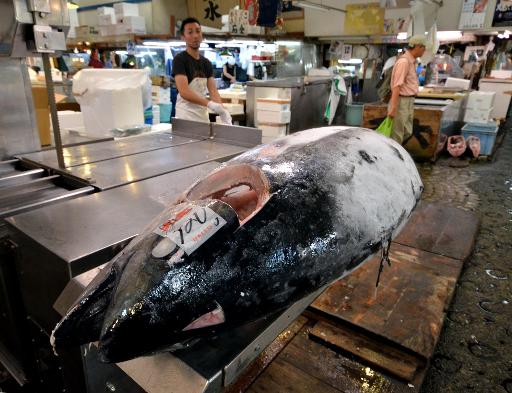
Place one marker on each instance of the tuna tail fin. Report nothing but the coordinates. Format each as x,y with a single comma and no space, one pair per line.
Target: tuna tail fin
83,321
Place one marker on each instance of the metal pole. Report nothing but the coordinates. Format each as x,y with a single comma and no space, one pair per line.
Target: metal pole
53,109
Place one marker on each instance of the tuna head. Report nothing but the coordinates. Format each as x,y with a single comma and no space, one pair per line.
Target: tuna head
158,291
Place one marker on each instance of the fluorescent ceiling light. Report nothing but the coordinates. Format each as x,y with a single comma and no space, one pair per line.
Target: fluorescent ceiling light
72,5
448,35
315,6
351,61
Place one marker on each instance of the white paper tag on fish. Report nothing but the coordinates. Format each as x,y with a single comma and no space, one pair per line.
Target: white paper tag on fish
191,227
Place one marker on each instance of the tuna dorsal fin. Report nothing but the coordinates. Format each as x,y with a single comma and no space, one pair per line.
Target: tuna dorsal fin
83,321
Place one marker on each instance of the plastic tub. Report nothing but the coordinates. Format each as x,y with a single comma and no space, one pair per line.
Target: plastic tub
485,132
354,114
165,113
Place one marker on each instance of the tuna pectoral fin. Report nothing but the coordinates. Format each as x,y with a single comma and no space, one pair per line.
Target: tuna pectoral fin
82,323
215,317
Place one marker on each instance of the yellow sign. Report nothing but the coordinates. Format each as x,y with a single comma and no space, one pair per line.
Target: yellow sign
209,12
364,19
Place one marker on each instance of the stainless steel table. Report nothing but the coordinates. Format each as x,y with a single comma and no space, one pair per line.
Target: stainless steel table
100,151
123,170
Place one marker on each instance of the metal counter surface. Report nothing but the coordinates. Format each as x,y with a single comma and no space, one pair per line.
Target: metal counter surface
289,82
124,170
83,230
101,151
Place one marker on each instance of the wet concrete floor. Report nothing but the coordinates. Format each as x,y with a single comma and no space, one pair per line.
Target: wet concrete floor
474,353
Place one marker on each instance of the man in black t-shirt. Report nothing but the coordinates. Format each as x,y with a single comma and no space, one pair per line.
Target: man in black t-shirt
193,74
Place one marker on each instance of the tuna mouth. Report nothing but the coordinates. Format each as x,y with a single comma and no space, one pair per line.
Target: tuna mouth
243,187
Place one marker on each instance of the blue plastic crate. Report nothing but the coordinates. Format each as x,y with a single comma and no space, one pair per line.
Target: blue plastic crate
485,132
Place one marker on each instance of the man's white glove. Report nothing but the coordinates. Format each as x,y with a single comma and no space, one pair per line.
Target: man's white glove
225,117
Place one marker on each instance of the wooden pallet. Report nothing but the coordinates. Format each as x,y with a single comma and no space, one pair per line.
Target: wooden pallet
354,338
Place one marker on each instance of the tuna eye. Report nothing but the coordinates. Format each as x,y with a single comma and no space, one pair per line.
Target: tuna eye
163,248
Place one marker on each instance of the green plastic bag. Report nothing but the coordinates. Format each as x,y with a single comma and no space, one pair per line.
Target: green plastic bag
386,127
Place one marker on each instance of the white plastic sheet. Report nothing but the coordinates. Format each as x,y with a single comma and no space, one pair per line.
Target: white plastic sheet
111,99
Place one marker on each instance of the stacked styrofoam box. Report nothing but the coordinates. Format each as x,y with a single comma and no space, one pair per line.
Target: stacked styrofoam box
273,116
131,25
123,10
479,107
87,33
106,31
106,16
160,95
70,120
73,23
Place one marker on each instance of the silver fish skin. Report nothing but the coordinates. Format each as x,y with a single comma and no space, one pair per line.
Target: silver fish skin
251,238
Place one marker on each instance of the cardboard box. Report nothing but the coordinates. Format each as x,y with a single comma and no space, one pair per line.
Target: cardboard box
40,97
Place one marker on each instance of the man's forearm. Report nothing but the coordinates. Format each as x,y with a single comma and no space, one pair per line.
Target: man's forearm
393,102
193,97
215,96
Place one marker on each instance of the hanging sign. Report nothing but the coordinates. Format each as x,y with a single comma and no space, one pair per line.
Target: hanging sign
472,15
503,13
209,12
364,19
239,21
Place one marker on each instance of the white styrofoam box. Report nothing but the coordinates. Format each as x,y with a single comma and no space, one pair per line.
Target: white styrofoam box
160,95
253,29
502,87
71,32
234,109
273,117
501,74
457,82
106,11
70,120
73,18
87,32
273,104
106,31
110,98
475,115
114,109
106,20
126,9
481,99
132,25
275,130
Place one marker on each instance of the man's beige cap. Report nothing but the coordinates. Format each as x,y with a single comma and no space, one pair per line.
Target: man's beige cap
417,40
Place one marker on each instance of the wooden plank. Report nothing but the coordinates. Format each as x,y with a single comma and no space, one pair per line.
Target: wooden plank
375,353
266,357
441,229
407,308
338,371
283,377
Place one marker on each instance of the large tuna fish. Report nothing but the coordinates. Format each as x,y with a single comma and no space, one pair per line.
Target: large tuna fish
257,234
